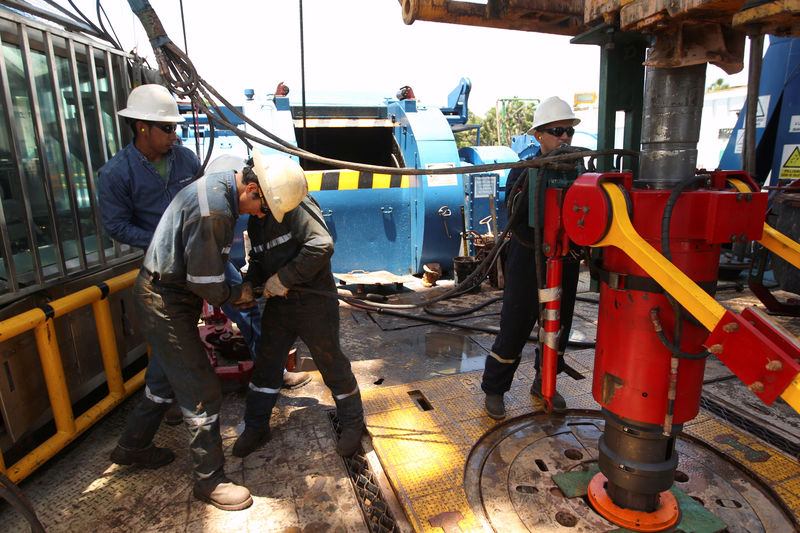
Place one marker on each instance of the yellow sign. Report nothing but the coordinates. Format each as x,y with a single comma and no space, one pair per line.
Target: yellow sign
791,165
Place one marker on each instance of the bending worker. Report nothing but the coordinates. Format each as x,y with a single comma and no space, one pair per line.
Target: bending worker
137,184
184,265
292,248
553,126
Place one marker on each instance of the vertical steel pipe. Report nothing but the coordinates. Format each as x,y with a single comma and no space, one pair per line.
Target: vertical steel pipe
671,125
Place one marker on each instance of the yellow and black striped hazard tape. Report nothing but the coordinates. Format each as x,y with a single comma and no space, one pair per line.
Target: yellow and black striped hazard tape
342,180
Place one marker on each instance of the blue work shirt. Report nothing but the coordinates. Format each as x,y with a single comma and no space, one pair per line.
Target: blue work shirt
133,195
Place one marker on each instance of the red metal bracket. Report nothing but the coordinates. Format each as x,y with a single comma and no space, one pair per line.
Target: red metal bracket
760,354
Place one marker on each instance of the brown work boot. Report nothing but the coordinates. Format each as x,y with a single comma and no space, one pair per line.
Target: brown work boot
249,441
223,493
150,457
174,415
559,404
495,407
294,380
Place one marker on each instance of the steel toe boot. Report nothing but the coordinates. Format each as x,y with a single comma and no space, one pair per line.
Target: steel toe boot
495,407
559,404
295,380
257,411
351,419
249,441
223,493
150,456
174,415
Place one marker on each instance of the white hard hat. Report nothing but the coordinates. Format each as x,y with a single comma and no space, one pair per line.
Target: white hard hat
151,102
552,109
224,163
283,182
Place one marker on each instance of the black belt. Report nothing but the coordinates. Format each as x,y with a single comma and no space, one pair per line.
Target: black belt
639,283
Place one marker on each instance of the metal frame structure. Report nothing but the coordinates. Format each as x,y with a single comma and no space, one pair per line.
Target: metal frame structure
59,92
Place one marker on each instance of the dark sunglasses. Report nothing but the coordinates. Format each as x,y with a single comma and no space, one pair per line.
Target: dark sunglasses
559,131
264,205
166,128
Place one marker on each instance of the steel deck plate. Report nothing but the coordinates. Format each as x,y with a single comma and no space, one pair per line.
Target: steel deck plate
426,433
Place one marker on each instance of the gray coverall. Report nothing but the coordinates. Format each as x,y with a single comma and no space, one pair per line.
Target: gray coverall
184,265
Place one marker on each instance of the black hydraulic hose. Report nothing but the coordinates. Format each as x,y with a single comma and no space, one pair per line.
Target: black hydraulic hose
666,220
422,318
496,256
673,349
387,309
463,312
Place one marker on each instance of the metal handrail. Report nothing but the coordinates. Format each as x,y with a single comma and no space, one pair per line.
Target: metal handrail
40,320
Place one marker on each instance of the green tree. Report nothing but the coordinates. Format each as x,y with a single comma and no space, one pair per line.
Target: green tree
718,85
469,137
510,117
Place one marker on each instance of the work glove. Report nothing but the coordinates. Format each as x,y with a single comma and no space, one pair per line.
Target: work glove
247,299
274,287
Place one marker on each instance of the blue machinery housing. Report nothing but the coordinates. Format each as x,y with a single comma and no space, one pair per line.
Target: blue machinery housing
383,222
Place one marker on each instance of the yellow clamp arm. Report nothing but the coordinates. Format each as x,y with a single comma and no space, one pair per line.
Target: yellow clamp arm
622,235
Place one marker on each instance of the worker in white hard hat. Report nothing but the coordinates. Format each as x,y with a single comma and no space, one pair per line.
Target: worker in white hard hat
291,380
137,184
553,126
291,251
185,264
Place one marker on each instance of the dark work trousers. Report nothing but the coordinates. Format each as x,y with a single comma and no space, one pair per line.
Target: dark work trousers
178,362
520,313
315,320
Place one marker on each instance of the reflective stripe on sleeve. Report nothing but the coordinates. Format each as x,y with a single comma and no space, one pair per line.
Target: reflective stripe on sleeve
202,197
226,250
201,280
318,240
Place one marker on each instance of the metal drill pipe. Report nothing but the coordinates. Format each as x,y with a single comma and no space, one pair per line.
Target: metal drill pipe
671,125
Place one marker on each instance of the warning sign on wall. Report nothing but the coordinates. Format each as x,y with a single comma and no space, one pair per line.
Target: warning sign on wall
790,162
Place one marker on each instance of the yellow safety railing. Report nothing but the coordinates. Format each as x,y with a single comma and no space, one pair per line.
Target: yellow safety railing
68,428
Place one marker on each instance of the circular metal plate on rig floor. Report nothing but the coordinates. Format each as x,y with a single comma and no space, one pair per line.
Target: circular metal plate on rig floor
510,485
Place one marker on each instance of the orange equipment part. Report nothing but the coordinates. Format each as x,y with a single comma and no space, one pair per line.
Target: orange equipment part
664,517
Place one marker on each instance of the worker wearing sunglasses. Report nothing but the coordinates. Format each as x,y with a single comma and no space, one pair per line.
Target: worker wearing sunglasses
553,126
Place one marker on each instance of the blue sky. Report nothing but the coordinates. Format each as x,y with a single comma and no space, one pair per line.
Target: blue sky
362,46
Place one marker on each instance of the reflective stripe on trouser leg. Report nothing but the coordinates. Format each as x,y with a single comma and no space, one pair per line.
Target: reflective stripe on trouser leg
205,444
498,373
169,324
350,410
142,424
258,407
319,330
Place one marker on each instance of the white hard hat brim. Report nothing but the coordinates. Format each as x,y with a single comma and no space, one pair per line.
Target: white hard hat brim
137,115
263,183
575,122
